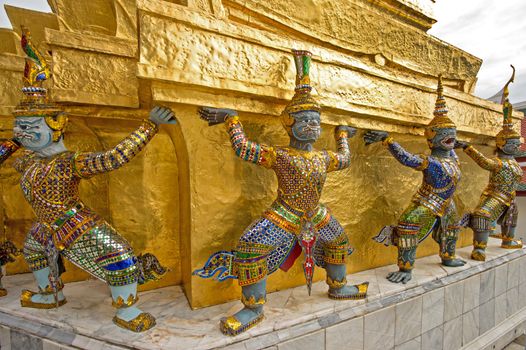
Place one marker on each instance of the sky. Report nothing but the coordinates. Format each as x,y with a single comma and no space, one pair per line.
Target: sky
492,30
488,29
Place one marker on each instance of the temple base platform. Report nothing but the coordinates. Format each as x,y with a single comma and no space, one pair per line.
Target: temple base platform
479,306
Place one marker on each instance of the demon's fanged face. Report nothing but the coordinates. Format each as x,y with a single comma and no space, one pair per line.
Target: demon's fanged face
306,127
511,146
33,133
444,138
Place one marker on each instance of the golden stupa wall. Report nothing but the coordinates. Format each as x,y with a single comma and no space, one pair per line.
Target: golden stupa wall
187,195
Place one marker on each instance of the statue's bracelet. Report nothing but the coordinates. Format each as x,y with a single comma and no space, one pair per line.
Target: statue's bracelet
387,141
231,120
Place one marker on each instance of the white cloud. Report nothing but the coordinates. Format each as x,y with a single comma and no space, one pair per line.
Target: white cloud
492,30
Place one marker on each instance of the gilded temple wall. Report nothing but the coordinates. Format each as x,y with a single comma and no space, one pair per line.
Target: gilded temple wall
187,195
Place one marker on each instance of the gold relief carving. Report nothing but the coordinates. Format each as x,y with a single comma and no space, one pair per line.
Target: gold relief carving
94,16
234,63
93,78
37,22
10,43
229,59
359,27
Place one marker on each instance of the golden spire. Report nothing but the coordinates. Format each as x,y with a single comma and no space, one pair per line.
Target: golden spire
507,131
302,100
441,119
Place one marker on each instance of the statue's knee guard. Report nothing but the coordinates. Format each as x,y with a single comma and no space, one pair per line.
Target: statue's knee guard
120,267
407,240
34,255
336,251
480,222
250,262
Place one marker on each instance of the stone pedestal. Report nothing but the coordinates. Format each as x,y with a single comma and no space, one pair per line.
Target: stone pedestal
478,306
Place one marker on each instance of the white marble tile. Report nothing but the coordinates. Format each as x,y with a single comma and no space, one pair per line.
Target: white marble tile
513,273
454,300
290,314
522,269
314,340
470,326
5,338
22,340
408,320
506,336
500,308
522,295
48,345
487,316
345,335
512,301
379,329
453,334
413,344
433,339
501,279
471,293
432,309
431,265
487,286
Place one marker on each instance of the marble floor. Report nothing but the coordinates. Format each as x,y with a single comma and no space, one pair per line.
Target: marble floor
88,312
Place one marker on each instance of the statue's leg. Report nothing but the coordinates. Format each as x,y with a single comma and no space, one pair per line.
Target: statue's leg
508,226
108,256
448,238
336,248
447,250
480,242
251,265
253,297
481,225
43,299
488,210
415,224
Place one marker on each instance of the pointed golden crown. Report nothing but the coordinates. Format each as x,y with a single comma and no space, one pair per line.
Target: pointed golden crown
507,131
35,102
441,119
302,100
